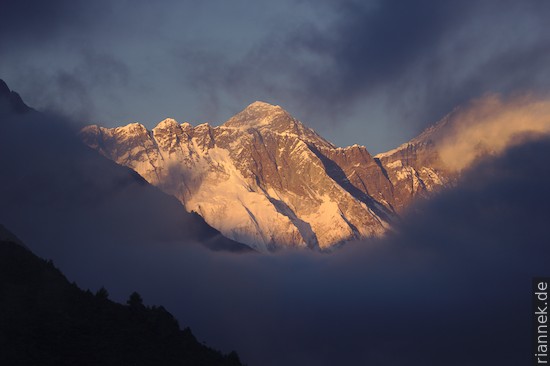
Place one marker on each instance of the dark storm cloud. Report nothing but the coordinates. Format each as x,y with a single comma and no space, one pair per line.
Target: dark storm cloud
34,20
374,43
73,72
419,59
440,54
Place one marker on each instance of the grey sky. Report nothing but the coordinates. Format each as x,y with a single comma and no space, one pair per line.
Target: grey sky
369,72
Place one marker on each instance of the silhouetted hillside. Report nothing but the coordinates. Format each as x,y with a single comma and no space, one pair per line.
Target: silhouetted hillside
45,320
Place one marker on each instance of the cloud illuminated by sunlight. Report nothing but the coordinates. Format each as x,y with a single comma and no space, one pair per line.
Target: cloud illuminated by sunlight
490,125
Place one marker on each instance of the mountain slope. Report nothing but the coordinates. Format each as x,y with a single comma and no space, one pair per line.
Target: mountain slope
265,179
68,203
10,101
45,320
415,168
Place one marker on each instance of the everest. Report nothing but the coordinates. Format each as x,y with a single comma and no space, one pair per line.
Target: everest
265,179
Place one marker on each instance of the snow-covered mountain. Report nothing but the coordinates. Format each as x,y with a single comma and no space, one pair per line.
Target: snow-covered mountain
69,203
264,179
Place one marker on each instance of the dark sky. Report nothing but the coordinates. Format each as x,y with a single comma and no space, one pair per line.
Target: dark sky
367,72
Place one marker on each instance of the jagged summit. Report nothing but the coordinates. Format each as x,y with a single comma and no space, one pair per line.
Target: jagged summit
261,108
265,179
132,128
167,123
272,119
262,105
429,136
262,178
259,114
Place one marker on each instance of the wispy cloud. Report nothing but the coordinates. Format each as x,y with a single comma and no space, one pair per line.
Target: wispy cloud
73,91
490,125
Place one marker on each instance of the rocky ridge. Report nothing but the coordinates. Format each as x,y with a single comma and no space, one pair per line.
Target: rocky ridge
265,179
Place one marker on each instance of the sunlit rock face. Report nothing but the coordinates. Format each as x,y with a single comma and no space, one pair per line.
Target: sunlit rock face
415,169
264,179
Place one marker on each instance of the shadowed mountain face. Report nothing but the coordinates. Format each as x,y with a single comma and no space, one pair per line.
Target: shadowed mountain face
265,179
10,101
45,320
66,201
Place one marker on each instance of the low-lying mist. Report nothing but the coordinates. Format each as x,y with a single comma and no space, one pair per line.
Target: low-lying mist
451,286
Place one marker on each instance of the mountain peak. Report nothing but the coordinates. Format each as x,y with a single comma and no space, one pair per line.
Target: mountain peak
167,123
269,118
257,115
260,105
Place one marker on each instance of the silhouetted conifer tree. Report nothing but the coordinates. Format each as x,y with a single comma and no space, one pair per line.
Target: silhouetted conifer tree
233,358
102,293
135,300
